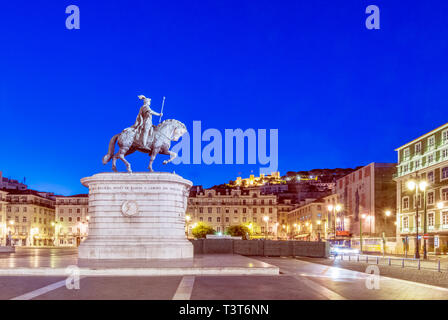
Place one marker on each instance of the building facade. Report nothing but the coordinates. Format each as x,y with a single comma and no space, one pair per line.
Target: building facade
367,200
3,219
307,222
72,218
30,217
226,207
423,159
6,183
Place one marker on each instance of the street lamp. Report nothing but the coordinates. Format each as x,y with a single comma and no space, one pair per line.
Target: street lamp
413,185
318,230
266,219
334,209
387,214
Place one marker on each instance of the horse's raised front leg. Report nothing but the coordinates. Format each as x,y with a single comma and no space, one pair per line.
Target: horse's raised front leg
173,155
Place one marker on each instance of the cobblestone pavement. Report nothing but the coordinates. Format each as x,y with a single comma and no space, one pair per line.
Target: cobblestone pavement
300,279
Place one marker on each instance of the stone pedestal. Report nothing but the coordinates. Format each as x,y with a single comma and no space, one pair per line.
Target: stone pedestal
136,216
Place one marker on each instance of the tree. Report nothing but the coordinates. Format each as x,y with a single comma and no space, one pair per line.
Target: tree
239,231
201,230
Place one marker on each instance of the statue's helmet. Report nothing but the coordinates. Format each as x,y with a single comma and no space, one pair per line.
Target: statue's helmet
146,100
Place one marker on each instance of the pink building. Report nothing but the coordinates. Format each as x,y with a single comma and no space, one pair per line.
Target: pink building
367,197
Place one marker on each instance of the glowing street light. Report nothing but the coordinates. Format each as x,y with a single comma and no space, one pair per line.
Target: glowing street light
416,185
266,219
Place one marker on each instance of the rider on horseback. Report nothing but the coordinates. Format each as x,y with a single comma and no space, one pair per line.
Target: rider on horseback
143,123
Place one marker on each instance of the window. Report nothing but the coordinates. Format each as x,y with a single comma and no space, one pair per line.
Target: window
430,198
78,219
445,217
209,219
17,218
445,136
444,154
70,219
406,154
24,209
405,222
78,210
61,210
40,220
418,148
431,158
218,210
244,219
255,219
244,210
270,210
218,219
227,210
209,209
444,173
254,210
227,219
431,142
431,219
405,168
62,219
201,219
405,203
24,219
430,177
418,163
35,219
201,210
235,210
262,210
444,194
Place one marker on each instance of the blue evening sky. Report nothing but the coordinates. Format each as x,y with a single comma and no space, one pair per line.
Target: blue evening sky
339,94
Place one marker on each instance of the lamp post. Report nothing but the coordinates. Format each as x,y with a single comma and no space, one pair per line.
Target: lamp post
334,209
266,219
416,185
318,230
386,215
276,230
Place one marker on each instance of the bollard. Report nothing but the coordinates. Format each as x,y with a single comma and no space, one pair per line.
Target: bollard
349,257
438,266
390,261
367,259
358,257
377,260
402,263
418,264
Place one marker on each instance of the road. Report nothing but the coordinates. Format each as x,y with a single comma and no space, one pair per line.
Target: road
299,280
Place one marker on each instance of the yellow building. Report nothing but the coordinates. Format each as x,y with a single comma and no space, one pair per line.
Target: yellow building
307,222
224,208
3,220
72,218
423,165
29,217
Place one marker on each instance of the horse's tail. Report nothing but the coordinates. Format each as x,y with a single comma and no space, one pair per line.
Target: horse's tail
111,151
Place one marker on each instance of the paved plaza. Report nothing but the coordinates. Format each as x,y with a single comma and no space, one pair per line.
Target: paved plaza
298,279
